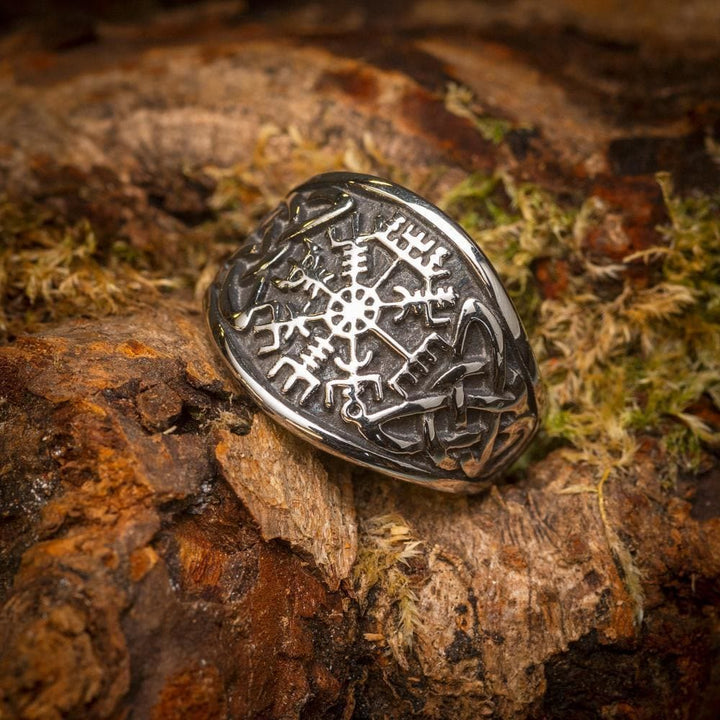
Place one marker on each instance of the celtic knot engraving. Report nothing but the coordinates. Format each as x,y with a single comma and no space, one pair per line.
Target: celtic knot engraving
358,313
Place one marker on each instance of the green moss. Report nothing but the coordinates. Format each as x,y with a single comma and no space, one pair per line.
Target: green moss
460,101
618,356
684,446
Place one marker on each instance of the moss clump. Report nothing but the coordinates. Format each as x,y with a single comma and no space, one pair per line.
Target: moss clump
624,347
50,269
386,548
460,101
515,225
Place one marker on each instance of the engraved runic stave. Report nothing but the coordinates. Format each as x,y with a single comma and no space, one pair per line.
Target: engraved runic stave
311,358
354,262
397,237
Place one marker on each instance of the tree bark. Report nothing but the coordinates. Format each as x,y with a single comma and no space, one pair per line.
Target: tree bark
169,552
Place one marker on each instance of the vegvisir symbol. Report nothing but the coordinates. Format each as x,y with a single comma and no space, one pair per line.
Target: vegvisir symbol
337,314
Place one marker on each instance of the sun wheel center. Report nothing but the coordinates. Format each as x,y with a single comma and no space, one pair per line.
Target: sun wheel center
354,311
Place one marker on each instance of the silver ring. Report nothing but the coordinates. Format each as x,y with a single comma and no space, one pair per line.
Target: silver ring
365,320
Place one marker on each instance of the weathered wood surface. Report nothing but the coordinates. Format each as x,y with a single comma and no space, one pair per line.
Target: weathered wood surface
166,554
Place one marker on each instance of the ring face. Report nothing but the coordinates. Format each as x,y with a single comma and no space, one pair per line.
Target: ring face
365,320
